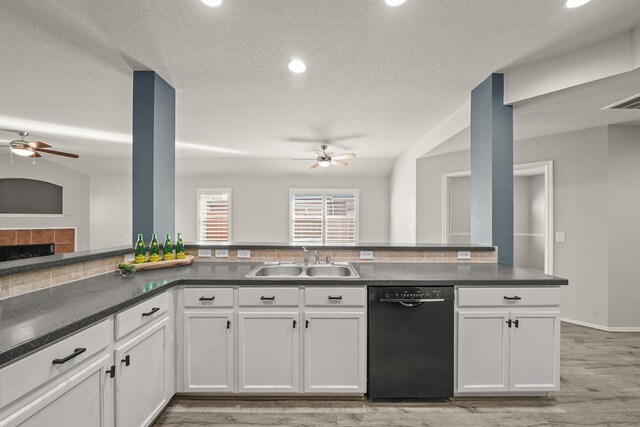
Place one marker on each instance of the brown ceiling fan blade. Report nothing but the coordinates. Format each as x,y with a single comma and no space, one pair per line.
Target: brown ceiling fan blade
306,160
338,163
318,153
38,144
313,166
59,153
347,156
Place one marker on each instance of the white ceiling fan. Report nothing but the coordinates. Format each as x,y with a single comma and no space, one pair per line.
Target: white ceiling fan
325,159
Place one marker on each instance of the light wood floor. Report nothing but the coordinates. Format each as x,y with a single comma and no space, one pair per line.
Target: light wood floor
600,385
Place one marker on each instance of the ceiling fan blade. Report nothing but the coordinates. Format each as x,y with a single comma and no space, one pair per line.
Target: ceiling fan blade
347,156
313,166
35,155
306,160
59,153
10,130
38,144
338,163
318,153
314,140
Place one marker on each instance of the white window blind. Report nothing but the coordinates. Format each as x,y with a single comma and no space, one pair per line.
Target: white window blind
324,216
214,214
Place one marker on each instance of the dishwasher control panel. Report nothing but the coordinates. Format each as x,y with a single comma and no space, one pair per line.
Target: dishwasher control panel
411,294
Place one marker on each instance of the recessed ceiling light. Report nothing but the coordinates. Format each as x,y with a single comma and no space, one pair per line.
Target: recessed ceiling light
571,4
297,66
394,3
212,3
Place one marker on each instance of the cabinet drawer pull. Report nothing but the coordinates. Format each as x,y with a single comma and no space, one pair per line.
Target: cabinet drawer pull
263,298
516,298
339,297
516,323
306,324
149,313
111,372
77,352
126,360
295,323
207,299
228,324
508,322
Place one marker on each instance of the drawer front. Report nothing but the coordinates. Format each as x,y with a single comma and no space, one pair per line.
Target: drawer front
269,297
35,370
329,297
208,297
508,297
141,314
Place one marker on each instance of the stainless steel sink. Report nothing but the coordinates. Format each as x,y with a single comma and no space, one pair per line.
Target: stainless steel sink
278,270
329,271
300,271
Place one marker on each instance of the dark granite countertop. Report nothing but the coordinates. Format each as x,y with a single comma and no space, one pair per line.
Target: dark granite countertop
33,320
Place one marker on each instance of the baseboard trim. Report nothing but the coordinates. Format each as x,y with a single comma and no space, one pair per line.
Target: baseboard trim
602,328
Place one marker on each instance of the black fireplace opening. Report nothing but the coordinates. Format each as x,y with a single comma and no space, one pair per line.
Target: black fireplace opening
15,252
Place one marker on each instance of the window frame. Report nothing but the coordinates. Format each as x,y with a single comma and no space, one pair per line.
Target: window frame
325,192
199,193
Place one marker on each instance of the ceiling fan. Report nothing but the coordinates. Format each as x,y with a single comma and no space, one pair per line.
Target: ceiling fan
24,148
325,159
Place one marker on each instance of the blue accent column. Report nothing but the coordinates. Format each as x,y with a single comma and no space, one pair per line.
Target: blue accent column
492,168
154,164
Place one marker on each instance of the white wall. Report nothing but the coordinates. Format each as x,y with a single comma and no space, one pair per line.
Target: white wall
260,206
624,225
75,194
580,202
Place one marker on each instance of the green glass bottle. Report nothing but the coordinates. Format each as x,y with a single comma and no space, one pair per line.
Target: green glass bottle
154,249
167,249
141,251
179,247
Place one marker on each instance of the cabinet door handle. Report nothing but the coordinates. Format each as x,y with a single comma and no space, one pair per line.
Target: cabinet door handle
339,297
77,352
228,324
111,372
295,323
306,324
126,360
207,299
516,323
515,298
263,298
509,322
149,313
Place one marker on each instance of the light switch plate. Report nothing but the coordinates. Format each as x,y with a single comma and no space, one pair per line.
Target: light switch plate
464,255
204,253
560,238
244,253
366,254
222,253
129,257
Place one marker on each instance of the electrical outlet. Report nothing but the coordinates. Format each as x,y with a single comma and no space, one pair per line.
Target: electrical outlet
204,253
222,253
464,255
366,254
560,238
244,253
129,257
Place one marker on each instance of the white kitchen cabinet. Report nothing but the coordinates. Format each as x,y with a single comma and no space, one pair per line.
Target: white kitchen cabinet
534,351
334,352
142,377
483,351
269,351
511,345
208,351
82,399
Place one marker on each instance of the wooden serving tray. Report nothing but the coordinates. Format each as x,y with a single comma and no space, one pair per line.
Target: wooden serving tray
187,260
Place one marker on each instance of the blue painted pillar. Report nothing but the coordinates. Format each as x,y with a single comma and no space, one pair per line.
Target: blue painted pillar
154,164
492,168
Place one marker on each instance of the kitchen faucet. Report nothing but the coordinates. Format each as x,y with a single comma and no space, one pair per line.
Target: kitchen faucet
305,254
317,257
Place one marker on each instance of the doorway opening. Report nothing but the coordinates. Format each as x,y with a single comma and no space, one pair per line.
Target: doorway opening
533,213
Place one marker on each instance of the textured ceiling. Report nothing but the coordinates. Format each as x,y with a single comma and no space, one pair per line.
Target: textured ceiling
386,75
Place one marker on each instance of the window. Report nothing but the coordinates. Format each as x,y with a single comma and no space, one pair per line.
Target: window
324,216
214,214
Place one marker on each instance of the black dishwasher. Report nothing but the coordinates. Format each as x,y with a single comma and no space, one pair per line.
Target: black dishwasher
410,342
